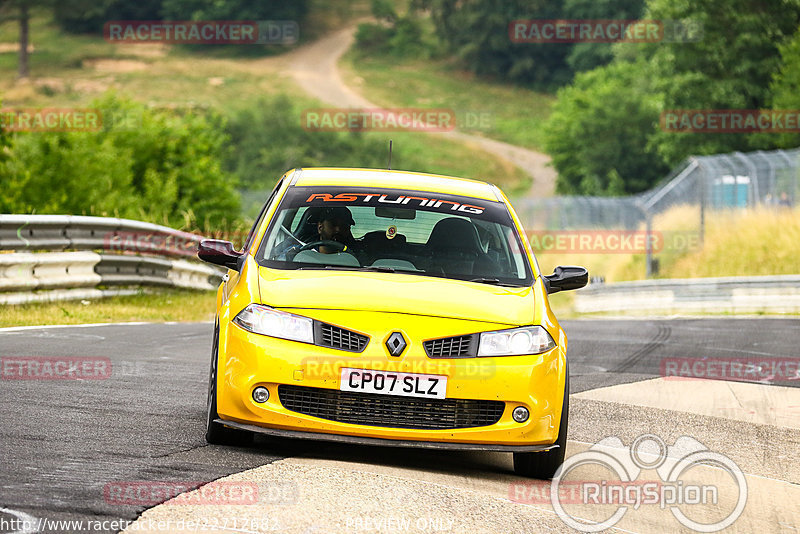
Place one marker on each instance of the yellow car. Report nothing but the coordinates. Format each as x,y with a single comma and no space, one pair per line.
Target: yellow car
390,308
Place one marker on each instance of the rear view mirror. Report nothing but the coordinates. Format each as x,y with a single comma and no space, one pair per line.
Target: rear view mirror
395,213
220,253
565,278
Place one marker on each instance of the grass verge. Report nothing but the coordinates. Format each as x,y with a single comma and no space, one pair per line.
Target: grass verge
498,111
160,306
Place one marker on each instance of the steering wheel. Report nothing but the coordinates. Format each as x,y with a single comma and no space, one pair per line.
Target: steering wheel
340,247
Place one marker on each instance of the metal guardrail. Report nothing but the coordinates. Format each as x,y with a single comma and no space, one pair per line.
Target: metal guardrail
37,266
77,232
756,294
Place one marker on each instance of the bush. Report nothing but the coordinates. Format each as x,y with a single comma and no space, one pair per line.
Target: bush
162,166
268,138
373,38
393,35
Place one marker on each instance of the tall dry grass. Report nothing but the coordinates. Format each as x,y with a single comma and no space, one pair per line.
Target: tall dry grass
758,241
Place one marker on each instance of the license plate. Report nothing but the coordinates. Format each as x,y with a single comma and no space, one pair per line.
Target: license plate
392,383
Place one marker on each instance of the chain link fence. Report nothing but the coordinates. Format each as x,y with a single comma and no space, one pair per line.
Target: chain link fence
668,217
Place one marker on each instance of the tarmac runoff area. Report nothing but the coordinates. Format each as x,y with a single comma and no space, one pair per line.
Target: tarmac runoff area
376,489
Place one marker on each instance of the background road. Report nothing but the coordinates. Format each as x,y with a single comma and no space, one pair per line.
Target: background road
314,68
62,441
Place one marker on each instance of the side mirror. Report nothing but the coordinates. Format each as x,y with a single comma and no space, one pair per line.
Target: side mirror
220,253
566,278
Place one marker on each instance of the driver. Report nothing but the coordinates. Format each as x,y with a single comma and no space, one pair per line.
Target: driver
322,224
334,225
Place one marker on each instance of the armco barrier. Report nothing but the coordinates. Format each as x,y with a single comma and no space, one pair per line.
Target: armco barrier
756,294
75,232
131,253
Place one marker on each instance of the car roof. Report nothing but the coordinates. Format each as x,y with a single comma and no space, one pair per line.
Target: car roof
387,179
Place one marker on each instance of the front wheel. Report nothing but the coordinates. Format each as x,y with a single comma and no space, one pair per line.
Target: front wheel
218,434
543,465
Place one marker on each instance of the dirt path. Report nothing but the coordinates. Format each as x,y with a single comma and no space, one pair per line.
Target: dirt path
314,68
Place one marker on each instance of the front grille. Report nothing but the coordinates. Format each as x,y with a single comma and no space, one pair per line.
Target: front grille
389,410
452,347
340,338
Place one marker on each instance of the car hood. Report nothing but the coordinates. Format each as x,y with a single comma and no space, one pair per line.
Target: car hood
396,293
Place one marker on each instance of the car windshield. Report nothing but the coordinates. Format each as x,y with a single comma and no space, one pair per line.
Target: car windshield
427,234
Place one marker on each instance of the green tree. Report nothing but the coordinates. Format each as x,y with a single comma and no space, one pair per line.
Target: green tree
295,10
729,67
586,56
599,131
785,88
606,130
89,16
477,33
21,11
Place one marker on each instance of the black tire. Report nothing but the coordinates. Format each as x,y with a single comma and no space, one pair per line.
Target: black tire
218,434
543,465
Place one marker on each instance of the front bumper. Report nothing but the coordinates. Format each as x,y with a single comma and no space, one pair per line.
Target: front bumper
381,442
248,360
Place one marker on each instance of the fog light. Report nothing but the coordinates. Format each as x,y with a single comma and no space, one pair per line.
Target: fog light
261,394
520,414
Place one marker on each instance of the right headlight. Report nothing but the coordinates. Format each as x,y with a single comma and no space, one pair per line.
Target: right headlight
515,342
267,321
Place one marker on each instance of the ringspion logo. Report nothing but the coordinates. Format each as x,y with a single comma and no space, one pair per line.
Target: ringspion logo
617,494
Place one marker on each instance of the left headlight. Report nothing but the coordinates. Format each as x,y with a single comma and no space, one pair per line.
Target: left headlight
515,342
270,322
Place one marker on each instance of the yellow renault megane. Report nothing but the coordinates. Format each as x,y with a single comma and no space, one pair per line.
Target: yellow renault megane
390,308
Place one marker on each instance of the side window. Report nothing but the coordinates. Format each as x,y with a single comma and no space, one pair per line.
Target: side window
260,218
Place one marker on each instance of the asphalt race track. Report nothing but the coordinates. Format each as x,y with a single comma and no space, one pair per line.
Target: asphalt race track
64,441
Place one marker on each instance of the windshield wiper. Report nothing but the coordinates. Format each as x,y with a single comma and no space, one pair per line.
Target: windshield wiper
493,281
328,266
379,269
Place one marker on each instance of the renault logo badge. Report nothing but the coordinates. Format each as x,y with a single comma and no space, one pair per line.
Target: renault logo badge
396,344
